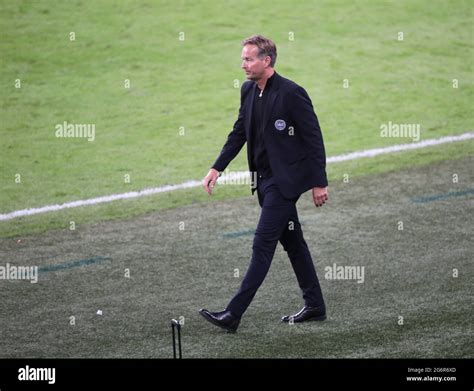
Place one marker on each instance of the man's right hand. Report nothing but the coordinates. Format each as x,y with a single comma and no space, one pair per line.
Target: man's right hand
210,180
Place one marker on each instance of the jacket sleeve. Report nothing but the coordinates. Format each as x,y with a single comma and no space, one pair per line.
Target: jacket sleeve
307,126
236,138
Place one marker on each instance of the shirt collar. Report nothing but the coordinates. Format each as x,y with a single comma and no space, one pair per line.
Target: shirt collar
269,82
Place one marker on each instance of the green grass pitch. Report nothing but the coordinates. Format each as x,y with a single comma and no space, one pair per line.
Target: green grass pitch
162,108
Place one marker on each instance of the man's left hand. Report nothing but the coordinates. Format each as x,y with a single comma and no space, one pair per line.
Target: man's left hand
320,196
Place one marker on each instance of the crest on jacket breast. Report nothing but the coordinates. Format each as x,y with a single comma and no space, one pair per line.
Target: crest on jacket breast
280,124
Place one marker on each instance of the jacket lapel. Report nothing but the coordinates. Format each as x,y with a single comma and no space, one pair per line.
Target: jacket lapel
271,100
248,117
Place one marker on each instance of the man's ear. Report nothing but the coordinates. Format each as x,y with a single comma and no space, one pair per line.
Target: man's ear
267,63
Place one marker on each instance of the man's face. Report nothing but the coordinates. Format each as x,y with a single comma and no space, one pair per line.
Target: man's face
253,66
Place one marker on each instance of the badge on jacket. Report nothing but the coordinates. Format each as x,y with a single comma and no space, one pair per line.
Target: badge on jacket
280,124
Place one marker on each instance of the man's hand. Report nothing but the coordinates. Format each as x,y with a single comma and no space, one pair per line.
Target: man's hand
210,180
320,196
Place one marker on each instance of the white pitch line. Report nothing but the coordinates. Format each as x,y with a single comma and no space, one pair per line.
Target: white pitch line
233,176
399,147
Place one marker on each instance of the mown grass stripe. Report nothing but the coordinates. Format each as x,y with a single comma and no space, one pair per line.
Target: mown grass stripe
243,174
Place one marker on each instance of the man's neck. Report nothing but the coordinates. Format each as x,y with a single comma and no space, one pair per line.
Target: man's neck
263,81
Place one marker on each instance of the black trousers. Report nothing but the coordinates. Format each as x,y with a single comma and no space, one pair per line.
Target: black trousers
278,222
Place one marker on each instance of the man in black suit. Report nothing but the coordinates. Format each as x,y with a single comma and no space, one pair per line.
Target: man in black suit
285,149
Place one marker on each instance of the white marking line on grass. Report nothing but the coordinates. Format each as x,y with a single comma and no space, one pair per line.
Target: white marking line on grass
399,147
242,174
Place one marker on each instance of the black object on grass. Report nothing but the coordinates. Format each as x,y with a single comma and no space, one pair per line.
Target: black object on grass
176,325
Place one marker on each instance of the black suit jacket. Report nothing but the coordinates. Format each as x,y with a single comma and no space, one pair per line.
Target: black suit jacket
292,137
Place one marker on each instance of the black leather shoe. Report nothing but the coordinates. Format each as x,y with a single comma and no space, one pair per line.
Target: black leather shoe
307,314
224,319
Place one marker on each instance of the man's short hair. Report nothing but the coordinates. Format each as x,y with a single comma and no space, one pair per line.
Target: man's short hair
266,47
